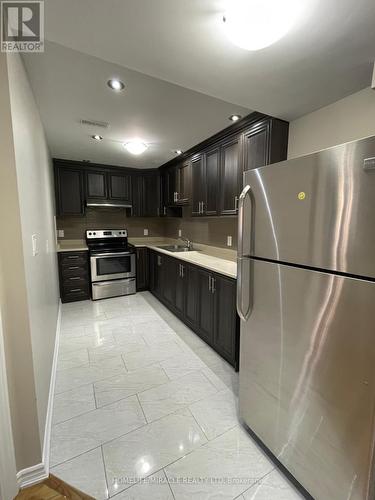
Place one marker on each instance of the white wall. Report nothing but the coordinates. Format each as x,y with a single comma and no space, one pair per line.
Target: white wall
36,200
346,120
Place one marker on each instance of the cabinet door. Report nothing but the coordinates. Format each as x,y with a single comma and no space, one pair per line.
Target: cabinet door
180,288
256,146
96,184
198,184
138,188
169,279
183,183
142,269
172,190
156,267
226,328
212,182
231,176
151,195
119,187
205,307
191,295
69,191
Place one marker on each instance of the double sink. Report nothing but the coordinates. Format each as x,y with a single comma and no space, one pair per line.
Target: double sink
176,248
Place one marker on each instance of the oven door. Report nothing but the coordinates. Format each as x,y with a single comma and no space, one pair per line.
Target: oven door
111,266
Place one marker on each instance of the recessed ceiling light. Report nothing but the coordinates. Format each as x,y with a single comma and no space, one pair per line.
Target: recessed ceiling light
256,24
135,147
97,137
178,152
115,84
235,118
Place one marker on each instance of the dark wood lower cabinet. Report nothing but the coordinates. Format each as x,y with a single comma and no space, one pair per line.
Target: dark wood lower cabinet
204,300
74,276
142,269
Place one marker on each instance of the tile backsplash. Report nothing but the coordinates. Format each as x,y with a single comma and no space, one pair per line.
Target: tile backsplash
207,230
109,218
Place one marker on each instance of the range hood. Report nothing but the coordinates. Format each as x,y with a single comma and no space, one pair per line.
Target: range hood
108,204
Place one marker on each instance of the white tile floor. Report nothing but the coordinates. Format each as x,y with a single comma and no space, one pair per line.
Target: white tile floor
144,409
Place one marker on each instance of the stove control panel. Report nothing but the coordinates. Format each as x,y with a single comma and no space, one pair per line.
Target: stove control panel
106,233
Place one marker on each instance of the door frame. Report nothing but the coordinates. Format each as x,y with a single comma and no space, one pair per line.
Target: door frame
8,470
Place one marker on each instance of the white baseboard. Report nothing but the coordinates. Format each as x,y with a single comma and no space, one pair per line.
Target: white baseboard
32,475
37,473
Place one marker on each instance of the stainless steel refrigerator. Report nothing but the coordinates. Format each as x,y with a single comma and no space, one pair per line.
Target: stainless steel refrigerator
306,297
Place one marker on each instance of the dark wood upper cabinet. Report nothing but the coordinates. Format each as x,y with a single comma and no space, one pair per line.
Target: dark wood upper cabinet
69,191
96,185
230,175
256,149
151,183
198,183
119,187
183,183
138,188
211,206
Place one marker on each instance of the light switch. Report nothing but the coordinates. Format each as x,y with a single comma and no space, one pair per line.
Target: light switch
60,233
179,233
229,241
34,244
145,232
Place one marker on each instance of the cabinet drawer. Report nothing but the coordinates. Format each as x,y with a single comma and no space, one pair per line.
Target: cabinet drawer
74,270
74,259
73,281
75,293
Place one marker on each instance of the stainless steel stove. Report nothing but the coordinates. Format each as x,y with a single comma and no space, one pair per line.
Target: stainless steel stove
112,263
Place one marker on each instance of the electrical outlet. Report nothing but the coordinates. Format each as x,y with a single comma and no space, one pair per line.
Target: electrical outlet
229,241
145,232
60,233
34,244
179,233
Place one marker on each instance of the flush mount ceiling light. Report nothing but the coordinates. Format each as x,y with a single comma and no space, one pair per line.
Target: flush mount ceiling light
256,24
97,137
135,147
115,84
235,118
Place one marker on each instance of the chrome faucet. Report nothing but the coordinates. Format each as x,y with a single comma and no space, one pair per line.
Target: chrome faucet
189,243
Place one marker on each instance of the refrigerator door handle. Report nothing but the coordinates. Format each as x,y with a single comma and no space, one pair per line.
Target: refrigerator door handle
244,299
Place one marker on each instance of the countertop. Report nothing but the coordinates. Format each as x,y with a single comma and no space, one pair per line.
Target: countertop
219,260
71,246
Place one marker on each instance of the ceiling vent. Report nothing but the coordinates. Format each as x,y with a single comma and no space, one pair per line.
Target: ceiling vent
94,123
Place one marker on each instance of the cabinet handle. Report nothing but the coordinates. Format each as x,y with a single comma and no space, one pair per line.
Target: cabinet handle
202,207
76,290
179,270
182,271
159,260
236,203
209,284
73,256
213,289
165,210
73,267
76,278
158,211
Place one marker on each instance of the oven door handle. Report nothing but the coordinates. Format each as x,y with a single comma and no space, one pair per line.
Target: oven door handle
115,254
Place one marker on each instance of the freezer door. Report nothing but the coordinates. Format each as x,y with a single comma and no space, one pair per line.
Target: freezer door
318,210
307,377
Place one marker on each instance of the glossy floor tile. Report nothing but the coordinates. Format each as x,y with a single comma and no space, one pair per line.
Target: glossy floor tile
86,472
146,450
274,486
85,432
145,409
223,468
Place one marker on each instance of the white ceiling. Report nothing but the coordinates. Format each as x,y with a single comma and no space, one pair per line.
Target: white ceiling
70,86
328,55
